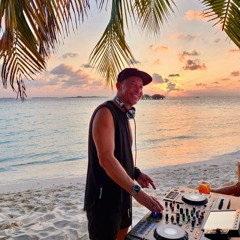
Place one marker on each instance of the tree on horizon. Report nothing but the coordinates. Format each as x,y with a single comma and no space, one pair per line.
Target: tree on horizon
31,30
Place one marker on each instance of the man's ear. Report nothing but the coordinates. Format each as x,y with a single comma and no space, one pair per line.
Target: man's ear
118,84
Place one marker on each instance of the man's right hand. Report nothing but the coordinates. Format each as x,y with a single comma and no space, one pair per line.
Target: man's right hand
149,201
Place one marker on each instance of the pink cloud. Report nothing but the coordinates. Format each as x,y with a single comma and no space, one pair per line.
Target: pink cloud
196,15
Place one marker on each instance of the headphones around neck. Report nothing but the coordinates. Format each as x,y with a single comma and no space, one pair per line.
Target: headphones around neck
129,112
130,115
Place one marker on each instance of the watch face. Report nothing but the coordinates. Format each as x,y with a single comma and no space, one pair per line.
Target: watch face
136,188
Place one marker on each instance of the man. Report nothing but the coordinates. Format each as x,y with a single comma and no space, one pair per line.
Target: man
111,171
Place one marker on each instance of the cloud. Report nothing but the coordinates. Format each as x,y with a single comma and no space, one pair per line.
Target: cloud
184,54
67,77
191,64
159,48
234,50
173,75
195,15
201,84
86,66
194,65
69,55
171,87
186,37
235,73
61,70
64,76
215,83
157,78
225,79
53,82
75,80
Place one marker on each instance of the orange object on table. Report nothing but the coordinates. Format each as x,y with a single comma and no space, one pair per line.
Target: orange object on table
204,187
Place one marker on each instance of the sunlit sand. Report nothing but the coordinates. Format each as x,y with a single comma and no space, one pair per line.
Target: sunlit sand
53,209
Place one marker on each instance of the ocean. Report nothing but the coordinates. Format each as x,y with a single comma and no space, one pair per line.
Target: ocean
46,138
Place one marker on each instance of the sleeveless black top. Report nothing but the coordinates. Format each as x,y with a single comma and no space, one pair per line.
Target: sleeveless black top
99,186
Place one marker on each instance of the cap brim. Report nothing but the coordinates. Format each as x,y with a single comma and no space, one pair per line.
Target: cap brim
146,78
131,72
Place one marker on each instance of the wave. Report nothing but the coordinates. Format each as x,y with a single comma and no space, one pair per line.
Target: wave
35,163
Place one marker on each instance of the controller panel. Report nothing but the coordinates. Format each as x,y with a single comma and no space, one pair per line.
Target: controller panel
183,217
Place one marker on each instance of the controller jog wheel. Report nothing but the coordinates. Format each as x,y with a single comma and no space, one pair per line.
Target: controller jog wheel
169,232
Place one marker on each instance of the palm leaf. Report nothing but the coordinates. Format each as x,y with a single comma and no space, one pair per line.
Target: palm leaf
31,29
112,52
153,14
227,14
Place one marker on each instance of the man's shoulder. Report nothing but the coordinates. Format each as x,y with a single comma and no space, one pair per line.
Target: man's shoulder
106,105
104,108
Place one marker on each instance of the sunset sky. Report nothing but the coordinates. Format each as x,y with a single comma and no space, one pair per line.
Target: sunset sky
190,57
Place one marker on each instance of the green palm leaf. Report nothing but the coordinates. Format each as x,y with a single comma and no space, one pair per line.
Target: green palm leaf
112,52
227,14
153,14
30,32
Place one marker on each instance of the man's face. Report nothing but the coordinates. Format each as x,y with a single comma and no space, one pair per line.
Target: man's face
130,90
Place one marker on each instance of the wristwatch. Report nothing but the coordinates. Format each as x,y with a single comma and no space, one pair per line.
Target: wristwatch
135,190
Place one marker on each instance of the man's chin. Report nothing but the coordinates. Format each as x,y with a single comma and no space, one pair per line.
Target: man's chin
134,102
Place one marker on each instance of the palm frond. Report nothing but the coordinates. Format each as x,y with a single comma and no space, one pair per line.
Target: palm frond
112,52
152,14
227,14
31,30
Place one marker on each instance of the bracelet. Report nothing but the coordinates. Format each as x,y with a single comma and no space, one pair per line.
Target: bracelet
137,173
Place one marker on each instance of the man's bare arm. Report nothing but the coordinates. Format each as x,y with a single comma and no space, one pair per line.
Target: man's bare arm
103,135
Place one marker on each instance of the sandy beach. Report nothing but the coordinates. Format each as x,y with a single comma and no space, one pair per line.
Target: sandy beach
53,209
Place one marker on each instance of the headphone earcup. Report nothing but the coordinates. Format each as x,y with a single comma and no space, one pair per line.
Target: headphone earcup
131,113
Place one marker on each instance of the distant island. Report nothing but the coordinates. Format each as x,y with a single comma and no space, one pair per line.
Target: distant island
144,97
87,97
153,97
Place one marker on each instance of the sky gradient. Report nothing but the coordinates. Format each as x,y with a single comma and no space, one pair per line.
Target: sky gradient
190,57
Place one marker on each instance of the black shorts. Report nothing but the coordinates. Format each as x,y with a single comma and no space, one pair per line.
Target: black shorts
104,224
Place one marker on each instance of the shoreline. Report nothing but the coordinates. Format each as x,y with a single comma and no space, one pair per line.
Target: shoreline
41,184
205,170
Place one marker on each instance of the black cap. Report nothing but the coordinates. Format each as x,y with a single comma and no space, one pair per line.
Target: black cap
134,72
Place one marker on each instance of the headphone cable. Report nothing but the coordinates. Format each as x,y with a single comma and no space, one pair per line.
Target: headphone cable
135,141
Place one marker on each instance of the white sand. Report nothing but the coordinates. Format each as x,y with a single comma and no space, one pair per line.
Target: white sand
53,209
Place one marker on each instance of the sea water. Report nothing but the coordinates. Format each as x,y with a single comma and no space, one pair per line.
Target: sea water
47,138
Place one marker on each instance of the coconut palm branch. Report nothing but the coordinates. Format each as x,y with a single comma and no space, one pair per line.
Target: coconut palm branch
31,30
112,52
227,14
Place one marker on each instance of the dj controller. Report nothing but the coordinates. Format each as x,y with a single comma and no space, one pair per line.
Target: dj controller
183,218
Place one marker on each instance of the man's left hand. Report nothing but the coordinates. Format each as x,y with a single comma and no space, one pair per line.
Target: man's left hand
145,181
